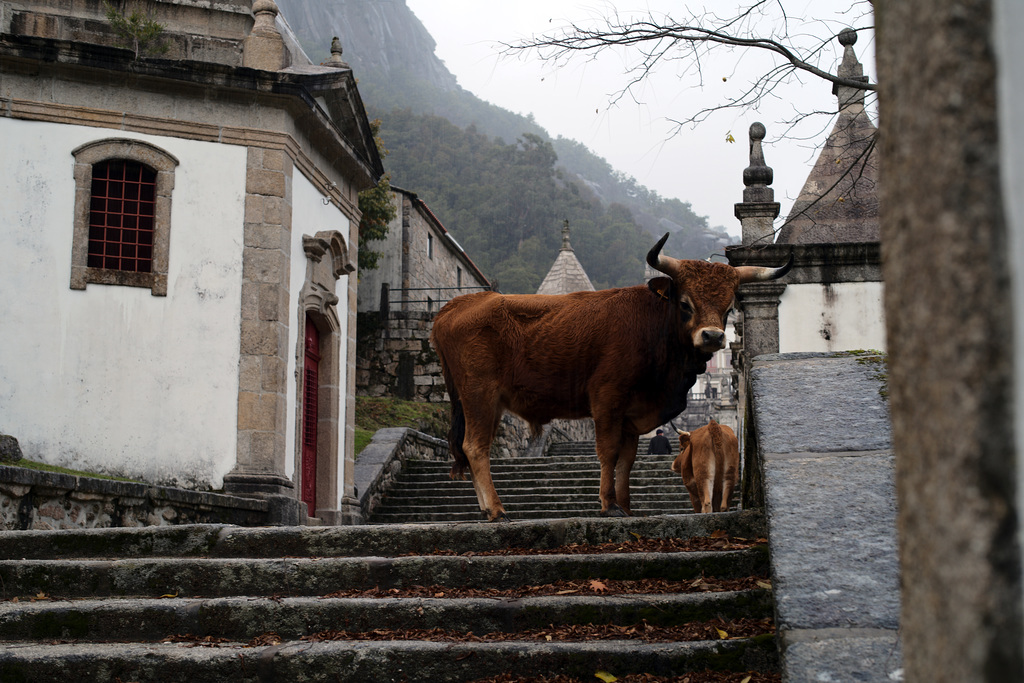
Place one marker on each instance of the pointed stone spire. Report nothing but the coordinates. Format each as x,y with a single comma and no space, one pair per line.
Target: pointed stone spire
851,100
336,61
759,209
264,47
566,274
839,199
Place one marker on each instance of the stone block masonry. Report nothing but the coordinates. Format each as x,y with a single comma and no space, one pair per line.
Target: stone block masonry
30,499
396,359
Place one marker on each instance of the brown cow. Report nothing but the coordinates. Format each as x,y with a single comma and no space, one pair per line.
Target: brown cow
709,462
626,357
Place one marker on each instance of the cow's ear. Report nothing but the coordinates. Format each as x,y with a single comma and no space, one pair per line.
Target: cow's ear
662,286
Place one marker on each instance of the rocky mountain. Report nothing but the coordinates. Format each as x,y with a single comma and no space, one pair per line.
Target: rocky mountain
401,78
382,37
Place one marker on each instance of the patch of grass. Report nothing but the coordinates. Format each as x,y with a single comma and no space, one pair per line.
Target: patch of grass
377,413
43,467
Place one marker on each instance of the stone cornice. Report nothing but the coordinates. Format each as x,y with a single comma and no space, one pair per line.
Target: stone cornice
151,125
816,263
293,91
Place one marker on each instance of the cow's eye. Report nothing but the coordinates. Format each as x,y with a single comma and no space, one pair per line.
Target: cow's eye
686,310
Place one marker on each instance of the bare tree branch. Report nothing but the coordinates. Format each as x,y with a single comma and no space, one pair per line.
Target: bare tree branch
762,26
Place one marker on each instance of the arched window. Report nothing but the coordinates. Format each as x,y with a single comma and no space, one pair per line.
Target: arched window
122,214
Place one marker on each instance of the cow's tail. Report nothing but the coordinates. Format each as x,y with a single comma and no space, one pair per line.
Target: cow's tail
457,431
716,437
718,461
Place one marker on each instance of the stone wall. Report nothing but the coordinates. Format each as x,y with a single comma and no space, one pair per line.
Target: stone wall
513,437
30,499
394,358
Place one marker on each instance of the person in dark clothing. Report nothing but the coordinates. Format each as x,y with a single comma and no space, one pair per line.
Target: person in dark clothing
659,444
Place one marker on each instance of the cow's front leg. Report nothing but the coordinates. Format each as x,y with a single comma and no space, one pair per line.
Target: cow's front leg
608,443
624,465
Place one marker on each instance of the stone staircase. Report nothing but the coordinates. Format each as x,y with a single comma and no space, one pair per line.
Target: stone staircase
197,603
561,484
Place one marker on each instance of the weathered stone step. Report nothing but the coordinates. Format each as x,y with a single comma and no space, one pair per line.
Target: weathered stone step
241,585
553,477
527,495
552,464
400,516
221,541
245,618
585,507
202,577
380,662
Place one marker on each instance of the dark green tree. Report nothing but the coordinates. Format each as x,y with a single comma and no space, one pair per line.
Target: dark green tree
378,210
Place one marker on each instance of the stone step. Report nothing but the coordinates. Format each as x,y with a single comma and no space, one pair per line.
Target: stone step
379,661
208,577
564,483
245,618
225,541
586,461
530,494
96,604
563,474
530,514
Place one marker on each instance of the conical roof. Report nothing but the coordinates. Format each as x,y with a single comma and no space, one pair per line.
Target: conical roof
839,200
566,274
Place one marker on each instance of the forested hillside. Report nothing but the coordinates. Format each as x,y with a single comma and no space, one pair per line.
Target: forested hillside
496,179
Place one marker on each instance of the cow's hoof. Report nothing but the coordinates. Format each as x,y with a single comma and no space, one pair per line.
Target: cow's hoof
614,511
500,518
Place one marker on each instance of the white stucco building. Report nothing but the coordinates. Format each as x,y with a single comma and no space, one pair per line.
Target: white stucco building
177,247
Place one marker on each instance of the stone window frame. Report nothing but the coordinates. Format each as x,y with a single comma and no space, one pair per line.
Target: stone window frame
161,161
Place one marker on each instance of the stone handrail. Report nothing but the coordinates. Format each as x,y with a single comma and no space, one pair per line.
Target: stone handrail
382,460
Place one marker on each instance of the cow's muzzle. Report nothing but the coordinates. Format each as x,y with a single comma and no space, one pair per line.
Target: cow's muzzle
709,339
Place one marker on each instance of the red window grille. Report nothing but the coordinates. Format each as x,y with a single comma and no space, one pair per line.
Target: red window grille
122,209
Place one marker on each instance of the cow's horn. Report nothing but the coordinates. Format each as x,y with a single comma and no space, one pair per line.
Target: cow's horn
760,273
657,261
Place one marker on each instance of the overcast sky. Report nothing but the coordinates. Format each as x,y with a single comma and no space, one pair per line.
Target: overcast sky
698,165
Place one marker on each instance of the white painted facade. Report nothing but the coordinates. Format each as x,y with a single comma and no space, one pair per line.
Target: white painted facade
112,378
842,316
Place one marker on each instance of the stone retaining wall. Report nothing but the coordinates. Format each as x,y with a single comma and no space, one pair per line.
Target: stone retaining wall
394,357
513,437
30,499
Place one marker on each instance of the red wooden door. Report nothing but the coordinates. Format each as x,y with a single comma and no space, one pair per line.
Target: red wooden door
310,414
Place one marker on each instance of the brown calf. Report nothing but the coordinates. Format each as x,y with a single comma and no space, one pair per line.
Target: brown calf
709,462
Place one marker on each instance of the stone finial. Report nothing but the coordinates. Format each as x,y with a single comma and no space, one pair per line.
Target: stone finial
264,47
758,209
852,70
335,59
565,235
758,175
